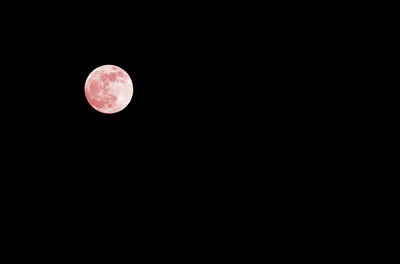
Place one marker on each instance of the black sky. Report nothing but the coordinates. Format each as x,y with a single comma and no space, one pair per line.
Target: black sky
229,117
199,74
186,71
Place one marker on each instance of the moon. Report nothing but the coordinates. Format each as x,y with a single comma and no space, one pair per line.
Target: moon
108,89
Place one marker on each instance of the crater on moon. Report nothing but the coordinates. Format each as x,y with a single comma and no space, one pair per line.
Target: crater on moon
108,89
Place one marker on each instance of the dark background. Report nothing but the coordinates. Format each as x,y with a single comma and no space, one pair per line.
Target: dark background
219,90
176,147
227,109
190,70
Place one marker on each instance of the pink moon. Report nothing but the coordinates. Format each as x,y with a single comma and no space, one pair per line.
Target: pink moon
108,89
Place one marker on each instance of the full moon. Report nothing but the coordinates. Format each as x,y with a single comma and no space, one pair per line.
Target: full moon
108,89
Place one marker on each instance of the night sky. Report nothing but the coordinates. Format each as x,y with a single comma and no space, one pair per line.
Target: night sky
228,112
203,80
184,115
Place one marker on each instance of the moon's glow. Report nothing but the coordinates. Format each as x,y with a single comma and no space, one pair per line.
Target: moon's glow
108,89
